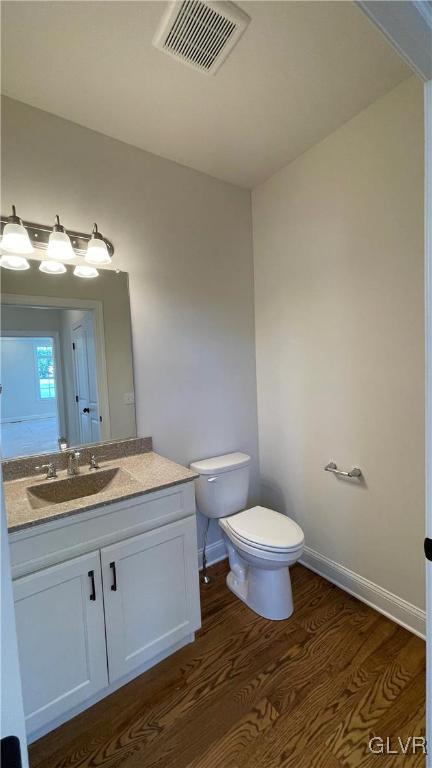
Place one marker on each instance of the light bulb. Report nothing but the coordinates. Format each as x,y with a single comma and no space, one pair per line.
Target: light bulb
52,267
97,251
82,270
15,236
59,244
10,261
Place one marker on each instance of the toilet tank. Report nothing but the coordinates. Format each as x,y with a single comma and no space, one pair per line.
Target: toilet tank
223,483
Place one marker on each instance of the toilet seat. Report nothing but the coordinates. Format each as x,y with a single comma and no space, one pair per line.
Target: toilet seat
264,530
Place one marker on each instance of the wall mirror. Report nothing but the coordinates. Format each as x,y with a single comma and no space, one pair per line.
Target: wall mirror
66,360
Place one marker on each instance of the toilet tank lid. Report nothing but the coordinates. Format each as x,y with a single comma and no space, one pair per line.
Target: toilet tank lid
218,464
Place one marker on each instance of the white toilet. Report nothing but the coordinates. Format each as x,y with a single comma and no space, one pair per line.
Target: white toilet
261,543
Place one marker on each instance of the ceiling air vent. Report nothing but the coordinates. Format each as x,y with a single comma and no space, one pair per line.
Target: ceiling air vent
200,34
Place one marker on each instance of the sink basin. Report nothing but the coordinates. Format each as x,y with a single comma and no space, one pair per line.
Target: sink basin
76,487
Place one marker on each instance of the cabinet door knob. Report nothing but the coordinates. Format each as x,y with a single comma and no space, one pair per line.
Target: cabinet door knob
86,410
114,584
93,592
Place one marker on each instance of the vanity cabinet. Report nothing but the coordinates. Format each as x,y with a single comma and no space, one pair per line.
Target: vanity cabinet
61,637
100,597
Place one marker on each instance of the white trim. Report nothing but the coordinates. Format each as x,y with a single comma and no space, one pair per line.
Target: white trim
407,26
428,333
214,553
88,304
425,10
392,606
19,419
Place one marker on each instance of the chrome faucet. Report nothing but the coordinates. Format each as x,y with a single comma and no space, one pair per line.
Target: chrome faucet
73,467
51,471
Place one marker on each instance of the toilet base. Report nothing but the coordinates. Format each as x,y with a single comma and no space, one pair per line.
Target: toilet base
266,591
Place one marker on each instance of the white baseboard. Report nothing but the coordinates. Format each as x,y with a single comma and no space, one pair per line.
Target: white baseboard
20,419
392,606
214,553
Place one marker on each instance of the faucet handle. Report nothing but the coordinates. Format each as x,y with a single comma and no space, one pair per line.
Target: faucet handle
50,468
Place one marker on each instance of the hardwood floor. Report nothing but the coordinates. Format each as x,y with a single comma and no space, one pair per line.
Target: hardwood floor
308,692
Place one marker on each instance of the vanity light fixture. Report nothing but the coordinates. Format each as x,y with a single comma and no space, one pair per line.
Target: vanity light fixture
82,270
15,238
52,267
54,245
97,251
59,244
10,261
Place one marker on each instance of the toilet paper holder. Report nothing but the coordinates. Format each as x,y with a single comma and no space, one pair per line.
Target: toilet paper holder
332,467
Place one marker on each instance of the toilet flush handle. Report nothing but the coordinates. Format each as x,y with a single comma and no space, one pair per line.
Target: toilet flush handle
211,479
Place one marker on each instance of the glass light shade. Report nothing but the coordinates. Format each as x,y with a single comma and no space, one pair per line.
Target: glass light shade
97,252
10,261
16,240
82,270
60,246
52,267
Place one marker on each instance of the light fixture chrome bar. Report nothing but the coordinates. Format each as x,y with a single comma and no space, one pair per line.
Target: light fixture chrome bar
332,467
39,236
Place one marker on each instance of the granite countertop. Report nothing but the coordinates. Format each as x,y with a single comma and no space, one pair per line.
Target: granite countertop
141,473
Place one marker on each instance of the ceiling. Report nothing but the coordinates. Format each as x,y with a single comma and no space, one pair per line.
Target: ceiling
300,70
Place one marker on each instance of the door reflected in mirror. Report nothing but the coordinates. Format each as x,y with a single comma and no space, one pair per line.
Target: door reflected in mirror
66,361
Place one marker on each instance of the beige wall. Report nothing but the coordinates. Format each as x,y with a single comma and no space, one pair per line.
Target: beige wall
339,313
338,244
185,240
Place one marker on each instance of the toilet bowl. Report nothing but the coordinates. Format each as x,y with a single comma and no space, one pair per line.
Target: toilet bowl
261,542
261,545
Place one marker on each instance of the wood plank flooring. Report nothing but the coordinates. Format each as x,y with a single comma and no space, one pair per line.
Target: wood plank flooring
308,692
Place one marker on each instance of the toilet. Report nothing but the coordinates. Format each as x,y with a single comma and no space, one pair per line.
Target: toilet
261,543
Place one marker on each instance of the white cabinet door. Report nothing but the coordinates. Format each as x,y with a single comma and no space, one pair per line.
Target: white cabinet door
61,637
151,594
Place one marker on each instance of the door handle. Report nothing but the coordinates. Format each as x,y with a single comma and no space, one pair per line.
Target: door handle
86,410
93,592
114,572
